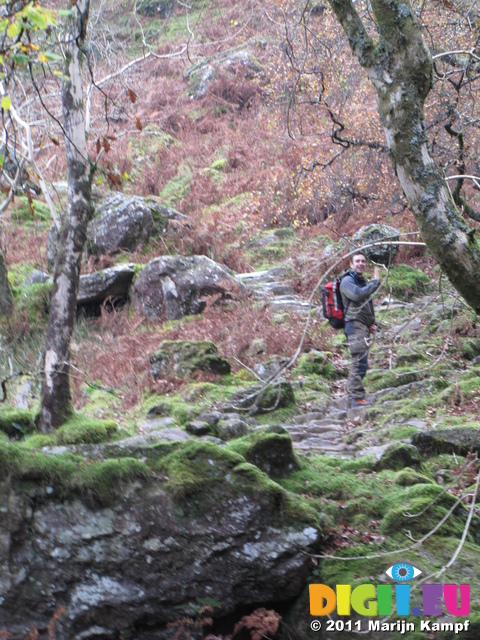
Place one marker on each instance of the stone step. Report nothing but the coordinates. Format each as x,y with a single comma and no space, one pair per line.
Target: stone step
323,448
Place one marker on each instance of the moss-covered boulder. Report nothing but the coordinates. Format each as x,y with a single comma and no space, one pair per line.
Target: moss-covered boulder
408,477
259,398
273,454
82,430
459,440
181,358
16,423
118,540
198,428
399,455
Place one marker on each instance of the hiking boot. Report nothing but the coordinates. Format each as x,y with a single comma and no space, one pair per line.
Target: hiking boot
359,403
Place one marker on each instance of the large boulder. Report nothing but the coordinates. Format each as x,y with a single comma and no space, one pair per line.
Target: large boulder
201,75
205,526
181,358
127,222
100,285
459,440
383,254
173,286
120,223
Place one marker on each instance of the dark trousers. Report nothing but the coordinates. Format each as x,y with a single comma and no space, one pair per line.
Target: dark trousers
358,337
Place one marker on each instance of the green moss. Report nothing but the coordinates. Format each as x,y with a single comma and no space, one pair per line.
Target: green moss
402,432
177,187
22,213
181,411
15,422
196,466
83,430
323,478
34,300
17,274
420,509
408,477
202,473
317,363
406,281
67,474
103,478
377,380
218,165
39,440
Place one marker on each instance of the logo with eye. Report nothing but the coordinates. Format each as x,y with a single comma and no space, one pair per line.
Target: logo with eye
402,572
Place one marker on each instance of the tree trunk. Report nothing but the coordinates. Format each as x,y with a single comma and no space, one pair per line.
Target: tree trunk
400,67
6,301
56,404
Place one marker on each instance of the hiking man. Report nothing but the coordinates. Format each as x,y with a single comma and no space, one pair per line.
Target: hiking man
359,324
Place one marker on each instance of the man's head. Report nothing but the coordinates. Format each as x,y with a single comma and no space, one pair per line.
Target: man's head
358,262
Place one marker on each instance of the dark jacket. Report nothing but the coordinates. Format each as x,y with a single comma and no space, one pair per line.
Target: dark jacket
356,296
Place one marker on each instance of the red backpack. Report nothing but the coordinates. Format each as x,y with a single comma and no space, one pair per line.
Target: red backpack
332,302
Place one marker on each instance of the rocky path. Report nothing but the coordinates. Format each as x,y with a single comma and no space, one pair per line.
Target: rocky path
271,285
317,432
327,429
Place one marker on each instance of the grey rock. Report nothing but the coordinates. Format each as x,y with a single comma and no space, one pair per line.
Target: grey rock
383,254
120,223
145,556
266,370
36,277
171,287
24,395
210,417
201,75
198,428
156,423
112,282
127,222
231,428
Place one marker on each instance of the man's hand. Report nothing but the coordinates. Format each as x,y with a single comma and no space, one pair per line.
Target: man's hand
372,328
376,273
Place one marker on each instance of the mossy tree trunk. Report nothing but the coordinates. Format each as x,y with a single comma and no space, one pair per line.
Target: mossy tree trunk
56,397
6,301
400,67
